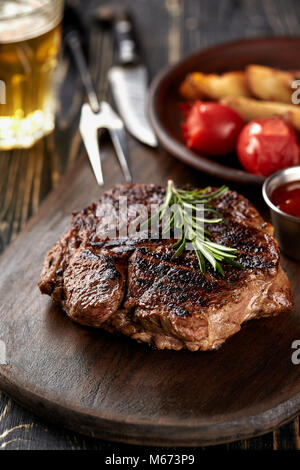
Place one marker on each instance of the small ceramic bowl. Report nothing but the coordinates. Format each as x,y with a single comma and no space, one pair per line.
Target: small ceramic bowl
287,227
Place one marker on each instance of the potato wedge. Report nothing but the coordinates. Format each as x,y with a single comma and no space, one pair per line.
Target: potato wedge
189,89
251,109
270,84
198,85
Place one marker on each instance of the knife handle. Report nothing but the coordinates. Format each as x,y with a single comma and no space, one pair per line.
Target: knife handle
127,49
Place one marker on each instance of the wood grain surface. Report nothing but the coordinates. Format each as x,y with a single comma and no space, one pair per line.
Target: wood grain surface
113,388
27,176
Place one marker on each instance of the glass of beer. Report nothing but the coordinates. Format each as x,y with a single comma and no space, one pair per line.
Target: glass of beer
30,36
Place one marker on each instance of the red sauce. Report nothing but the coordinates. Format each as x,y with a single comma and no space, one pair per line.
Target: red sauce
287,198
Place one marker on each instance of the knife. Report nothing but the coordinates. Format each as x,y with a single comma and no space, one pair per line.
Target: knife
128,81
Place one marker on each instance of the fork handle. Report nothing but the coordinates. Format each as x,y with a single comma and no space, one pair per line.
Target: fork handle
73,40
126,45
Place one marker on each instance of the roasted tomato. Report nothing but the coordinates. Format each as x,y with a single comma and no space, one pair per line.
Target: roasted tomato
267,145
211,128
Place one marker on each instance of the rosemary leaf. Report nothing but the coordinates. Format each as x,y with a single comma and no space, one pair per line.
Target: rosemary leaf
187,216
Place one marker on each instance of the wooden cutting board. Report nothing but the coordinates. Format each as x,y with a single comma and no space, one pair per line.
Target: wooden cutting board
114,388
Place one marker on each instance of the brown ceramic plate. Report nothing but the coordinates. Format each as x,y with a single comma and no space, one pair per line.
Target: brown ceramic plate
164,100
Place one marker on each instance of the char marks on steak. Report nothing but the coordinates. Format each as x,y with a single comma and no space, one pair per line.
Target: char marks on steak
134,287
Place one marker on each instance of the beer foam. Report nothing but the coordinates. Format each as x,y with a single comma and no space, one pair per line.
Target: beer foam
27,19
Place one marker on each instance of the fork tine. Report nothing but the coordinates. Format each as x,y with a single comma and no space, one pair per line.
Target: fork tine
119,141
91,144
89,134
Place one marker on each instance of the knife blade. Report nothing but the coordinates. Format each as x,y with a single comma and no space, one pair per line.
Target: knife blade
128,81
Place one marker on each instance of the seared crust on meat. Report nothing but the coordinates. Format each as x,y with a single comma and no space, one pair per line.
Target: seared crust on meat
134,287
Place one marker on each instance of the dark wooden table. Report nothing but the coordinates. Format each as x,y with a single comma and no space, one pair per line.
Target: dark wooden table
168,30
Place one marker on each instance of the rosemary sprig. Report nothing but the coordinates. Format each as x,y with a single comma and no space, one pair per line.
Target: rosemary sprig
185,216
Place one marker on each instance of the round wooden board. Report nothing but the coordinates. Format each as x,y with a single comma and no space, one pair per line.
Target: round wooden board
114,388
164,99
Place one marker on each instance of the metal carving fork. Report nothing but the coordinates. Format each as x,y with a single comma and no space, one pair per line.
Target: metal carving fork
97,115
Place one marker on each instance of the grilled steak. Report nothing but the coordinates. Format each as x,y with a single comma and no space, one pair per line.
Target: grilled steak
132,286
